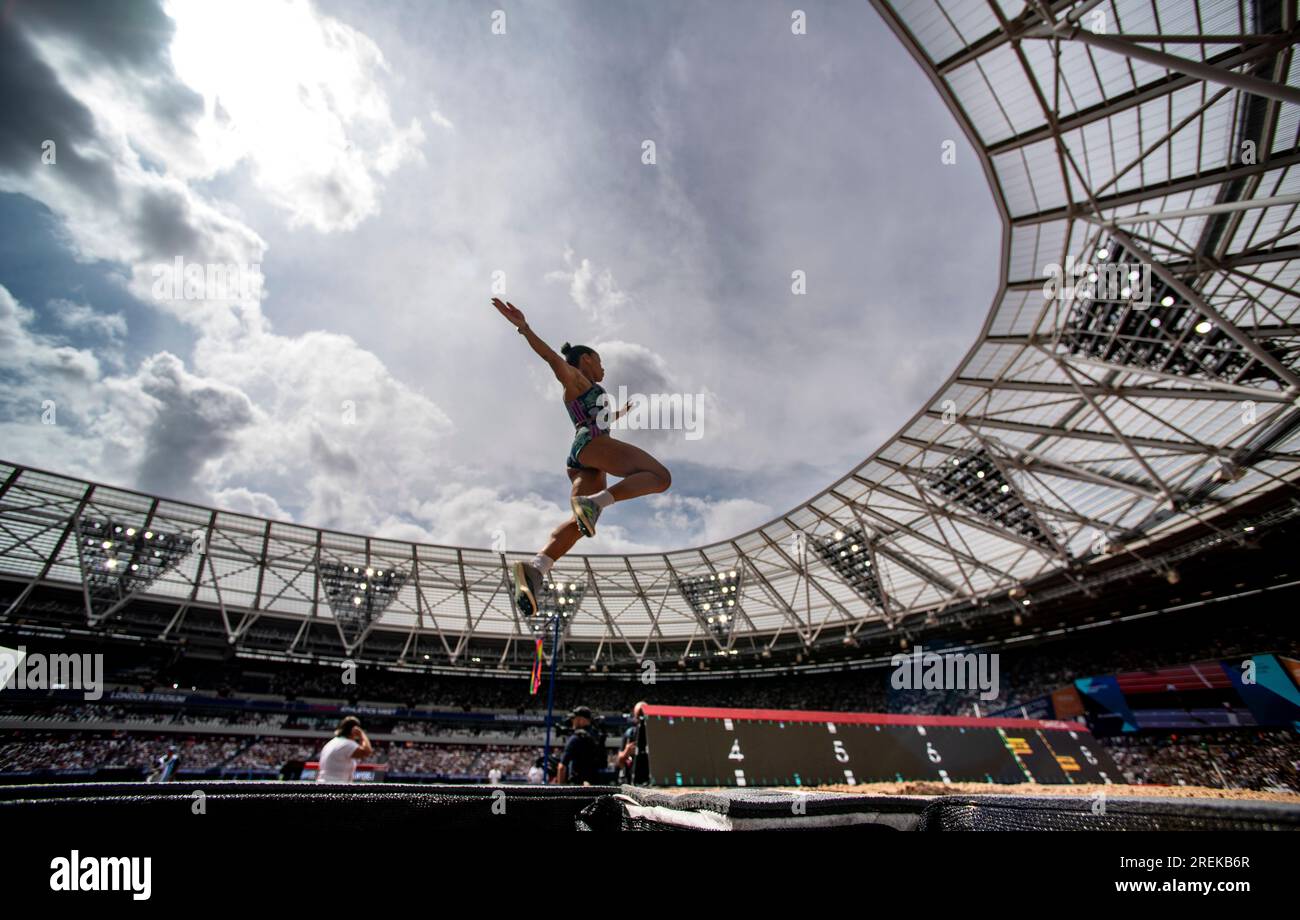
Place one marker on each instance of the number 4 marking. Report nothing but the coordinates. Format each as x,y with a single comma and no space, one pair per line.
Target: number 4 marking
735,751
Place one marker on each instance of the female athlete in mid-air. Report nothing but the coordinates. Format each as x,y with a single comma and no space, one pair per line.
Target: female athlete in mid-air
594,454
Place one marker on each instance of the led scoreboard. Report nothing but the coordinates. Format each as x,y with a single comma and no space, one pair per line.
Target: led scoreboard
691,746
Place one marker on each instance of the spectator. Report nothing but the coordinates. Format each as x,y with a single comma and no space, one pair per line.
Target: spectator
338,759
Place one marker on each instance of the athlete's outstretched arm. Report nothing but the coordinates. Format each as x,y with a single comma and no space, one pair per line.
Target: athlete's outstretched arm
622,412
564,371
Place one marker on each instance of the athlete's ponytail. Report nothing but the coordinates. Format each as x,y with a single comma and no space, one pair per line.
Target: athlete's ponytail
573,353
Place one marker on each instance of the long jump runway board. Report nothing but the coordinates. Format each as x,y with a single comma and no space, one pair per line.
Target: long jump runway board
691,746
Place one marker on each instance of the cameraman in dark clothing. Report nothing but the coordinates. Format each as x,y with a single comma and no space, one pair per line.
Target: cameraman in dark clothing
584,753
634,758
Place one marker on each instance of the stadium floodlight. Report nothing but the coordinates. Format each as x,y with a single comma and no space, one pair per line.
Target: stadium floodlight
561,597
973,481
714,599
1155,331
358,595
847,551
117,560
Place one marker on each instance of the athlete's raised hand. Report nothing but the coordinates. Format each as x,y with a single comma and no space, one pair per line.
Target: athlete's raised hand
510,312
624,411
564,372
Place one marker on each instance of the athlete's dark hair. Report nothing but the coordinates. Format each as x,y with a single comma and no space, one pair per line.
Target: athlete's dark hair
345,727
573,353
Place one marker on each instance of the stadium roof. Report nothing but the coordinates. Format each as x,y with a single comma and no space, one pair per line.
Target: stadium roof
1154,144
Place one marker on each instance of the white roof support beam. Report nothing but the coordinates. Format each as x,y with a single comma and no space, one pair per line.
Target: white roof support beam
1201,71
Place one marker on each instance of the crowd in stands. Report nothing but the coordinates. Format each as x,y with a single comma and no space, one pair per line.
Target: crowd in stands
75,751
454,760
1249,760
152,715
36,751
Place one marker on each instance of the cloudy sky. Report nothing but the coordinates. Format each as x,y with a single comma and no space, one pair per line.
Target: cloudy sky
384,164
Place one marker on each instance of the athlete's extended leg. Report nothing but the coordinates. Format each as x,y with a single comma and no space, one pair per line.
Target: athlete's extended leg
530,575
585,482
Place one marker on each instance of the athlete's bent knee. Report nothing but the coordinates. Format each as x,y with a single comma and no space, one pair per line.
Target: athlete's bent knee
665,479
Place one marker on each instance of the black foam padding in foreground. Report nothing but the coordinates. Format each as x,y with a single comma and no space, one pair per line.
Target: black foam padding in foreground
303,809
1114,813
300,812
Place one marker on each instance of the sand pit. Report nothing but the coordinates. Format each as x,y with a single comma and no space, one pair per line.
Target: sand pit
1176,792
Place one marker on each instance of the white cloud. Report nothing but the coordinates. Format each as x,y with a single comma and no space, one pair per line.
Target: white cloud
192,422
302,104
257,504
39,357
706,520
594,292
257,419
80,317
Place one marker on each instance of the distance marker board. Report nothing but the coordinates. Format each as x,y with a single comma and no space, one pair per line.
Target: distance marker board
691,746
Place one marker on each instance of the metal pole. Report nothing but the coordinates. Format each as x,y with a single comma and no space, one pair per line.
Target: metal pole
550,704
1222,208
